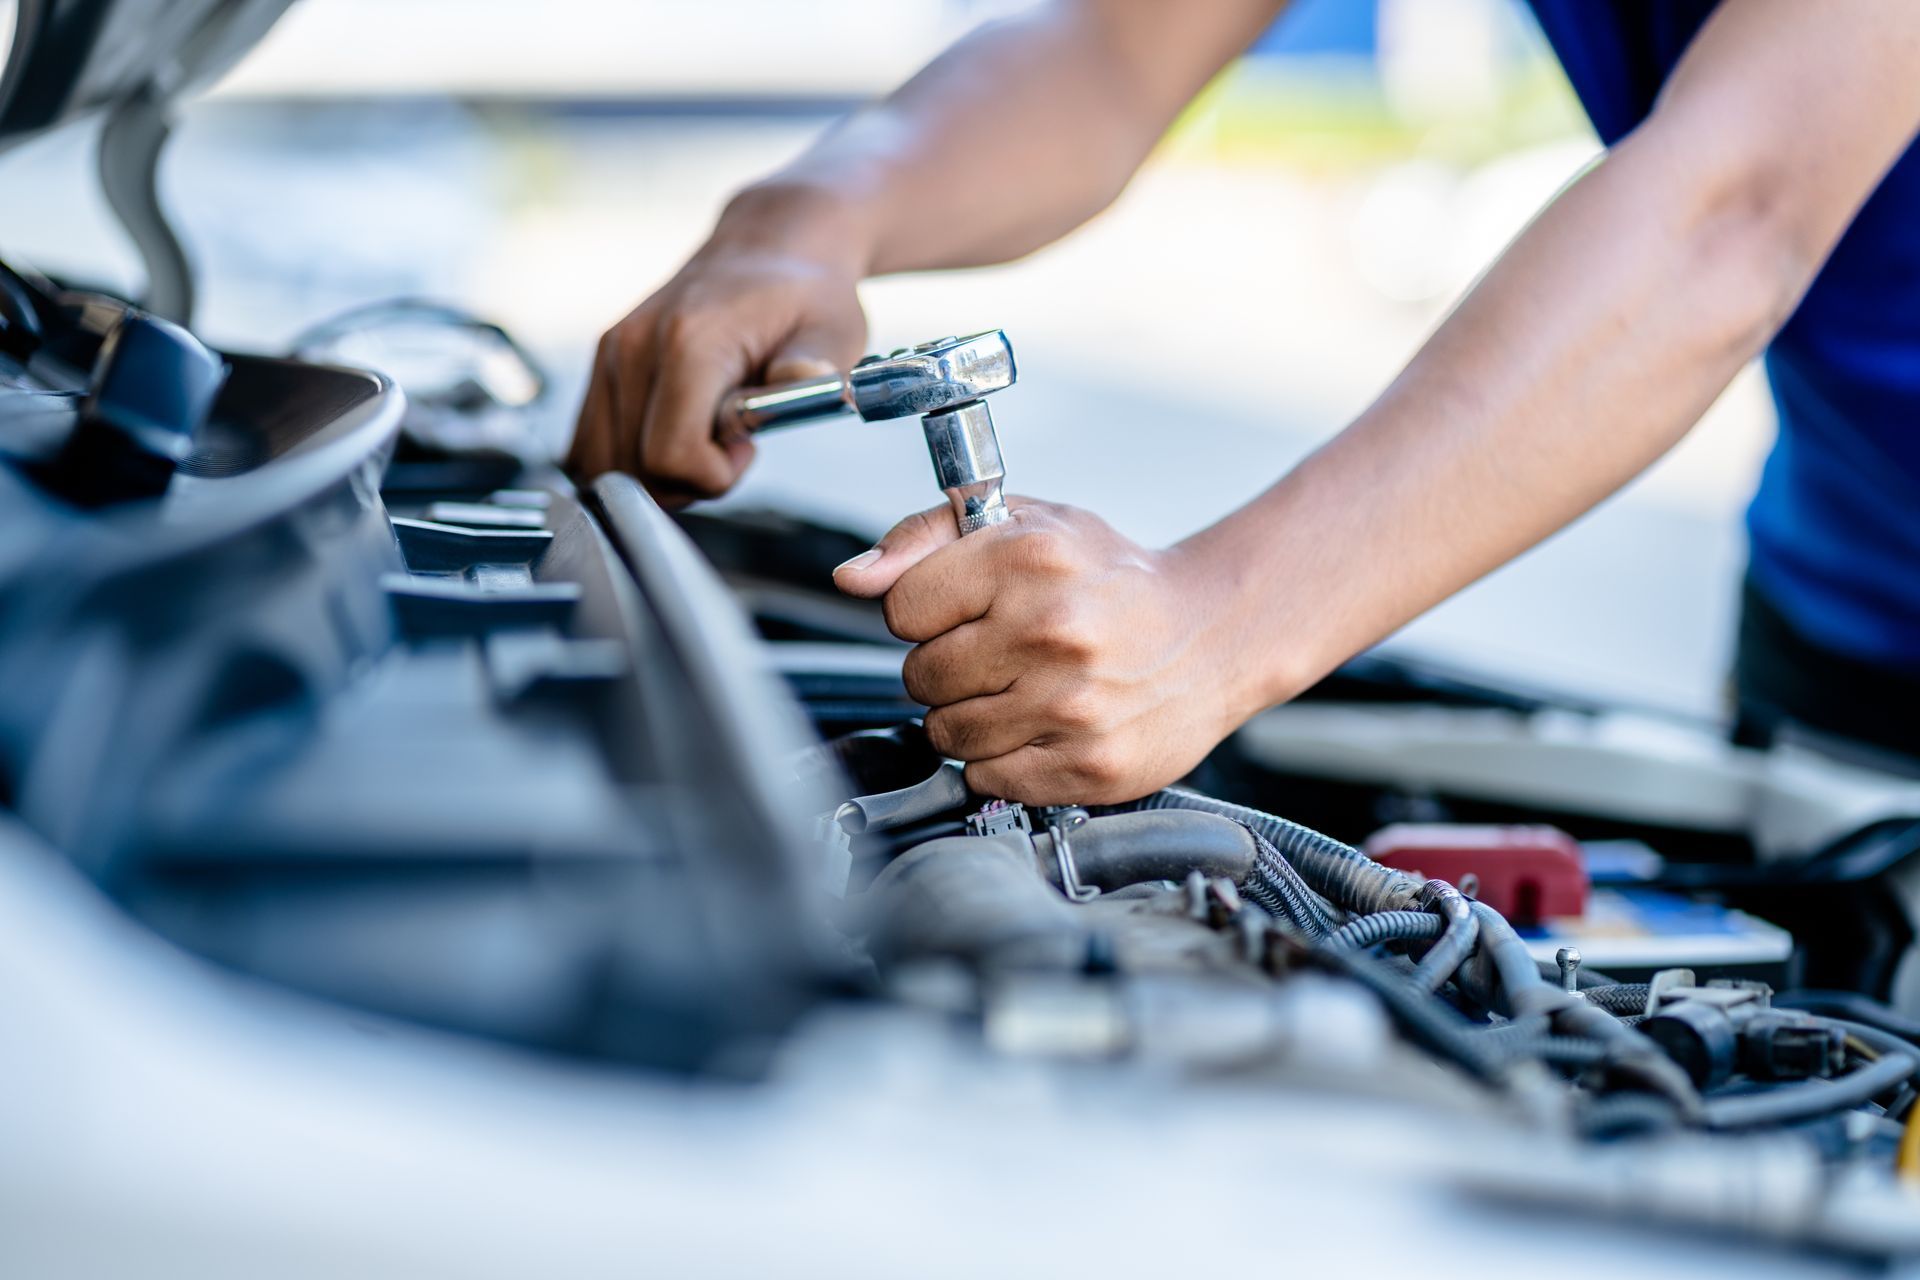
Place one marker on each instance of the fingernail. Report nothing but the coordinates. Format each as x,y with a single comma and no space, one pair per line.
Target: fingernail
860,561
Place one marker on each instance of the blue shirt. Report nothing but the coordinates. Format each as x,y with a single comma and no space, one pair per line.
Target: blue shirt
1835,527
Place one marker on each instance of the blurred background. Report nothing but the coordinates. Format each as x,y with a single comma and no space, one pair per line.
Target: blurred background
1300,230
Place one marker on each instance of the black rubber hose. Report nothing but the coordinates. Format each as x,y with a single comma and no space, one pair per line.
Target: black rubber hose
1812,1098
1387,926
1620,1114
1120,849
1427,1022
1116,850
1456,943
1348,878
1574,1051
1503,977
975,899
1336,871
944,789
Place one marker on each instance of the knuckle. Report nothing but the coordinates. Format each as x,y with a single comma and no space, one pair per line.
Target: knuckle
1043,552
893,611
662,456
919,674
1078,709
985,780
657,453
1066,636
684,329
708,476
947,732
1102,765
919,526
900,610
625,342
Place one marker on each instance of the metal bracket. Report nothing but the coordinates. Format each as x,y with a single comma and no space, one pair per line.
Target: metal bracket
1060,822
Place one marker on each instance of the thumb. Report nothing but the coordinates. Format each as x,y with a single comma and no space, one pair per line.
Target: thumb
873,573
814,351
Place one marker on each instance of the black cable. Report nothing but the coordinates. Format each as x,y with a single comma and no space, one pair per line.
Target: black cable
1456,943
1812,1098
1504,971
1427,1022
1576,1051
1292,899
1621,1114
1387,926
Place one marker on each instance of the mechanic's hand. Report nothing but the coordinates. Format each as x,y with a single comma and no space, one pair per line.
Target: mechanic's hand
761,302
1064,663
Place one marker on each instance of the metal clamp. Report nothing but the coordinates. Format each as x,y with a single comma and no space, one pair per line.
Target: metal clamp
1059,822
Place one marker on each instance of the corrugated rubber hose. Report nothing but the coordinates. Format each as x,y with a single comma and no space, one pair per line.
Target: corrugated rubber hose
1343,875
1336,871
1388,926
1500,973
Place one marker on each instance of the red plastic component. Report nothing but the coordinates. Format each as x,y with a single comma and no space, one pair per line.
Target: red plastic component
1527,874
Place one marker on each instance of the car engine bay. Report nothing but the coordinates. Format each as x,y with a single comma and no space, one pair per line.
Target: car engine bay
436,737
397,836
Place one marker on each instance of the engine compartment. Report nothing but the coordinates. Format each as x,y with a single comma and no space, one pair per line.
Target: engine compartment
434,742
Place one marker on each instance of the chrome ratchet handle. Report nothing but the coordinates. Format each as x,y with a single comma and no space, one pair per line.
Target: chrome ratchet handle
751,411
944,383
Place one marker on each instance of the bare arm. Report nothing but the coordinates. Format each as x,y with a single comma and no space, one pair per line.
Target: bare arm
1013,137
1601,335
1021,131
1589,349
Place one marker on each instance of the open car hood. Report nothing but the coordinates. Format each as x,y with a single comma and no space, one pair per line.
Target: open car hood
70,58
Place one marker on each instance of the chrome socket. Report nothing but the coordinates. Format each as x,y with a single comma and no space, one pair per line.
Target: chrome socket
966,461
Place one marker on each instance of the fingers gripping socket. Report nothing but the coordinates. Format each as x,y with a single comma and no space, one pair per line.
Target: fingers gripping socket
966,459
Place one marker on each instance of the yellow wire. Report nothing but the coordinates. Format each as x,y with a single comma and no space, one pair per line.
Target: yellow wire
1908,1162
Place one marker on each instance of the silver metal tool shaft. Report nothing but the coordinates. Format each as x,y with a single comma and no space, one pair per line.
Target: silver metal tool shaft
966,458
944,382
746,413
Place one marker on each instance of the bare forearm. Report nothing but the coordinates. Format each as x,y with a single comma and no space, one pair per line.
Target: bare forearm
1573,365
1013,137
1590,348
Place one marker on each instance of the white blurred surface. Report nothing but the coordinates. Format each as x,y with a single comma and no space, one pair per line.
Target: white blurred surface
603,48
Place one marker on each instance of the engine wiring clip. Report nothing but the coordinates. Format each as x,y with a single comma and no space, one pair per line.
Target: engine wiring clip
1061,821
998,817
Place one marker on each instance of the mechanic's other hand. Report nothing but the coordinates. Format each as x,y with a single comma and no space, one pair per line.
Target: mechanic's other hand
764,300
1064,663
